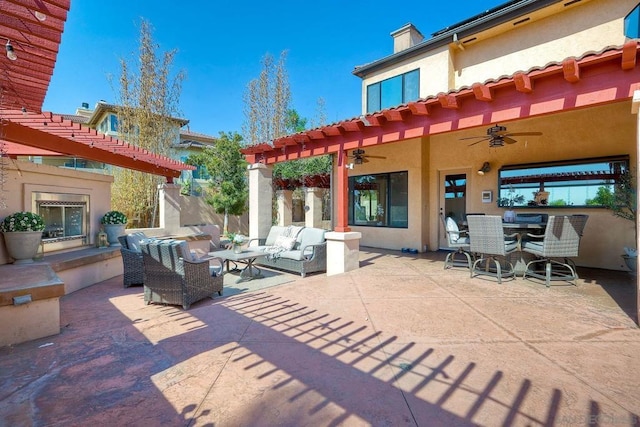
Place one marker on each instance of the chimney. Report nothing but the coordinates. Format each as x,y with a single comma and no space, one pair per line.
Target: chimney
406,37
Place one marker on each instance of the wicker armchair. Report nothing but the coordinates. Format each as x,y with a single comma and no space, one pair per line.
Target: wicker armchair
488,239
172,277
561,239
132,259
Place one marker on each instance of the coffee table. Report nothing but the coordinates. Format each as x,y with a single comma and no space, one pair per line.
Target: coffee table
246,257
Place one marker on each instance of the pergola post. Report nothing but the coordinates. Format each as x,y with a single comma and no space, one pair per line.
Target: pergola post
313,207
343,245
260,197
284,201
169,204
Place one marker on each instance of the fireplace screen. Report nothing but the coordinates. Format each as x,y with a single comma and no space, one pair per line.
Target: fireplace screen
65,218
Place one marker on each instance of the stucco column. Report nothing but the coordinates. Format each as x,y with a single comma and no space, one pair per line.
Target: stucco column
343,251
260,196
343,245
284,201
169,204
313,207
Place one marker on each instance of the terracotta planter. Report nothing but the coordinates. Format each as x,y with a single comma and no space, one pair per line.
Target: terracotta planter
22,246
113,231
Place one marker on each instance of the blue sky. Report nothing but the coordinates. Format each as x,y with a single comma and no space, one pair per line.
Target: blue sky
220,45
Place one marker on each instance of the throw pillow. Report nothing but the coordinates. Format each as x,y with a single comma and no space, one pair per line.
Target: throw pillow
286,243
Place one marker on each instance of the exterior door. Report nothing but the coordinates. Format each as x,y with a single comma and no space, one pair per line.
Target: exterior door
453,200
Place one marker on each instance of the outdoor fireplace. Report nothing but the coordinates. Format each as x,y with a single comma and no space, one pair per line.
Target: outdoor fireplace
66,219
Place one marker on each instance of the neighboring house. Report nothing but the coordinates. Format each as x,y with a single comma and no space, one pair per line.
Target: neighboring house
104,119
560,75
192,143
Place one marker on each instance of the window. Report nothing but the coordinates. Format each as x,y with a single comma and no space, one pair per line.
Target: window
571,183
394,91
103,127
632,23
114,123
379,200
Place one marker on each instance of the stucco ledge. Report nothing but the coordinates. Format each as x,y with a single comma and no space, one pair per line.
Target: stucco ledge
350,235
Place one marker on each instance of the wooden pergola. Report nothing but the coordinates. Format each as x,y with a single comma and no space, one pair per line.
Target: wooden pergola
32,31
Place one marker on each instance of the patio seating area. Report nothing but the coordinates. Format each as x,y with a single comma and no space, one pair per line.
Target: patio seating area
399,341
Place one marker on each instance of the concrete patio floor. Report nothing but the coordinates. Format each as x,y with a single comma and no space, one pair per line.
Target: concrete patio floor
399,342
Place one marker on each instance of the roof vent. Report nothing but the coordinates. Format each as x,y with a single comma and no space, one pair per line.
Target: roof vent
406,37
85,105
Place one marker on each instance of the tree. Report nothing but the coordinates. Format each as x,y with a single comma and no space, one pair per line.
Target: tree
148,101
300,167
266,102
229,191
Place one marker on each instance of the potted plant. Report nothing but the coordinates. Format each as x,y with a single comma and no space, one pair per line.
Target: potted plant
509,201
114,223
22,235
236,241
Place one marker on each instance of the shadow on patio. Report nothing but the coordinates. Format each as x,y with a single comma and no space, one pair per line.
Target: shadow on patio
398,342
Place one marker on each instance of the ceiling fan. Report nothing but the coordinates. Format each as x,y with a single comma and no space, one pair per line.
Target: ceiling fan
497,136
359,157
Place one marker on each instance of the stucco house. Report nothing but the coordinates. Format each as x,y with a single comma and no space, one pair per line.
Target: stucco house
104,118
537,95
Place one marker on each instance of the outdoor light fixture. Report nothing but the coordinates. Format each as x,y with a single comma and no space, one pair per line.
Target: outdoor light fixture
40,16
484,169
10,52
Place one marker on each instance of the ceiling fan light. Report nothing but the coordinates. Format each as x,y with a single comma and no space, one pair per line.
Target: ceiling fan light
357,160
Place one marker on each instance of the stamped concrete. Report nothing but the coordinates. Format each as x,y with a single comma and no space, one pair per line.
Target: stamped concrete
400,341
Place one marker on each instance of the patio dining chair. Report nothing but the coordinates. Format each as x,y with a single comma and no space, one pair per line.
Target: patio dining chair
456,239
553,249
487,239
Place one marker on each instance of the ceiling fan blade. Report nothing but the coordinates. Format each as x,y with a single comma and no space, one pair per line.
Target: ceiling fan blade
508,140
476,137
523,134
474,143
374,157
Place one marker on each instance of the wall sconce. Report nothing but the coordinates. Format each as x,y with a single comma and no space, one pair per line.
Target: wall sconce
349,165
486,167
10,52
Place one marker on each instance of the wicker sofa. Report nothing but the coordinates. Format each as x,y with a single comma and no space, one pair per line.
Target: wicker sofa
307,255
173,277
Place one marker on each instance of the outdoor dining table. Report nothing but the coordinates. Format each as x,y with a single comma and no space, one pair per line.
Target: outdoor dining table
519,258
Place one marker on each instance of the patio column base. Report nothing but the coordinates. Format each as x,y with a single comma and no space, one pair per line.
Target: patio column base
343,251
